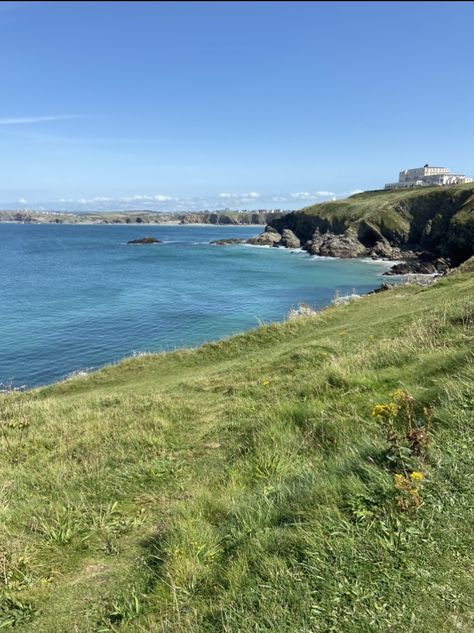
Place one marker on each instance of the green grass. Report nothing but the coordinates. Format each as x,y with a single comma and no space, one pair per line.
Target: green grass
245,486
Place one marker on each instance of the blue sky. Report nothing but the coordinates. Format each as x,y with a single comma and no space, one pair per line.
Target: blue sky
175,106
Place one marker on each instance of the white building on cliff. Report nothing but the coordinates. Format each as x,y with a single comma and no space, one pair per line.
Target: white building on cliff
427,176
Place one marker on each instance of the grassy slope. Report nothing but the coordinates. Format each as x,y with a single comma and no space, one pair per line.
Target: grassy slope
401,216
244,486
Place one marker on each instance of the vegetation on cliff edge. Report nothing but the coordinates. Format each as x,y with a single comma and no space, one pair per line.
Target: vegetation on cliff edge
315,475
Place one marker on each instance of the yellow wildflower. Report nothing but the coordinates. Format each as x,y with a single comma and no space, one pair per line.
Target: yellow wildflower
400,482
415,497
417,476
385,410
403,395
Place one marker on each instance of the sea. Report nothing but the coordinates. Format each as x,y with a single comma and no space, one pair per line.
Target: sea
74,298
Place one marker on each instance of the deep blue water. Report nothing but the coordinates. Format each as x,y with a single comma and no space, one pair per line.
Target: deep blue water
78,297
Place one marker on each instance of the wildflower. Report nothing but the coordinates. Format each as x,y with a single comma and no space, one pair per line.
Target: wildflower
400,482
402,395
417,476
397,394
385,410
415,497
265,382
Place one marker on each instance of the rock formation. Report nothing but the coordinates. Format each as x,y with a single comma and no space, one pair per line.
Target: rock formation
231,240
145,240
289,239
270,237
331,245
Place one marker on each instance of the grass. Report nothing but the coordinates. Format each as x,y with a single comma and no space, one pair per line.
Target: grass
245,486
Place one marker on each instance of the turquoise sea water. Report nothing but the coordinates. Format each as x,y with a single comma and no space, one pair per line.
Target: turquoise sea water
78,297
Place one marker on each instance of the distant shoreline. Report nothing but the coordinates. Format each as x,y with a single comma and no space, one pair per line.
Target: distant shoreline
145,218
143,224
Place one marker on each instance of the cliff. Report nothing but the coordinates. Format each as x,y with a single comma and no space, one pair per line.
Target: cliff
434,219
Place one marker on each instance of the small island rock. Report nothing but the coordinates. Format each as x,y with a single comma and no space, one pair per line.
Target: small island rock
145,240
230,240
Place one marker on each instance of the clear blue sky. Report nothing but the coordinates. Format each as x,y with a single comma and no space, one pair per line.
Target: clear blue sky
240,105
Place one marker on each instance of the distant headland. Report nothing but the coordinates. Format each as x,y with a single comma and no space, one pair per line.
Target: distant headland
215,218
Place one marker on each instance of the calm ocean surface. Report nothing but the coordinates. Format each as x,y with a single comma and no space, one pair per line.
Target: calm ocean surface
78,297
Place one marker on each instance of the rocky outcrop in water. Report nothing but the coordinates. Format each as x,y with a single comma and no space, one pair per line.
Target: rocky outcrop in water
330,245
270,237
145,240
289,239
226,242
438,266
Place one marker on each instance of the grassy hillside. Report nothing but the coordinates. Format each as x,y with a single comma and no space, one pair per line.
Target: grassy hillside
438,219
311,476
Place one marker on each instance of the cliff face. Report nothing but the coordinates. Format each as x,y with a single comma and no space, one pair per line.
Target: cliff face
235,218
438,220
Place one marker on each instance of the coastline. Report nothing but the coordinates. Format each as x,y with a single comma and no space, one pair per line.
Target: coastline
412,279
304,279
143,224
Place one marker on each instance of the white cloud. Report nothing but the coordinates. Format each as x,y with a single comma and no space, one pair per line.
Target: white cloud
35,119
324,194
306,195
160,202
145,198
136,198
301,195
22,200
251,195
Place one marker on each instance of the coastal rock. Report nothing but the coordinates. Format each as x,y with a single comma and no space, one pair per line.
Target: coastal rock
382,249
382,288
270,237
145,240
232,240
412,268
443,265
331,245
289,239
421,263
313,246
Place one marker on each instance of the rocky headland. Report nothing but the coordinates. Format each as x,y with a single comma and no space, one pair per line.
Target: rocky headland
425,230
